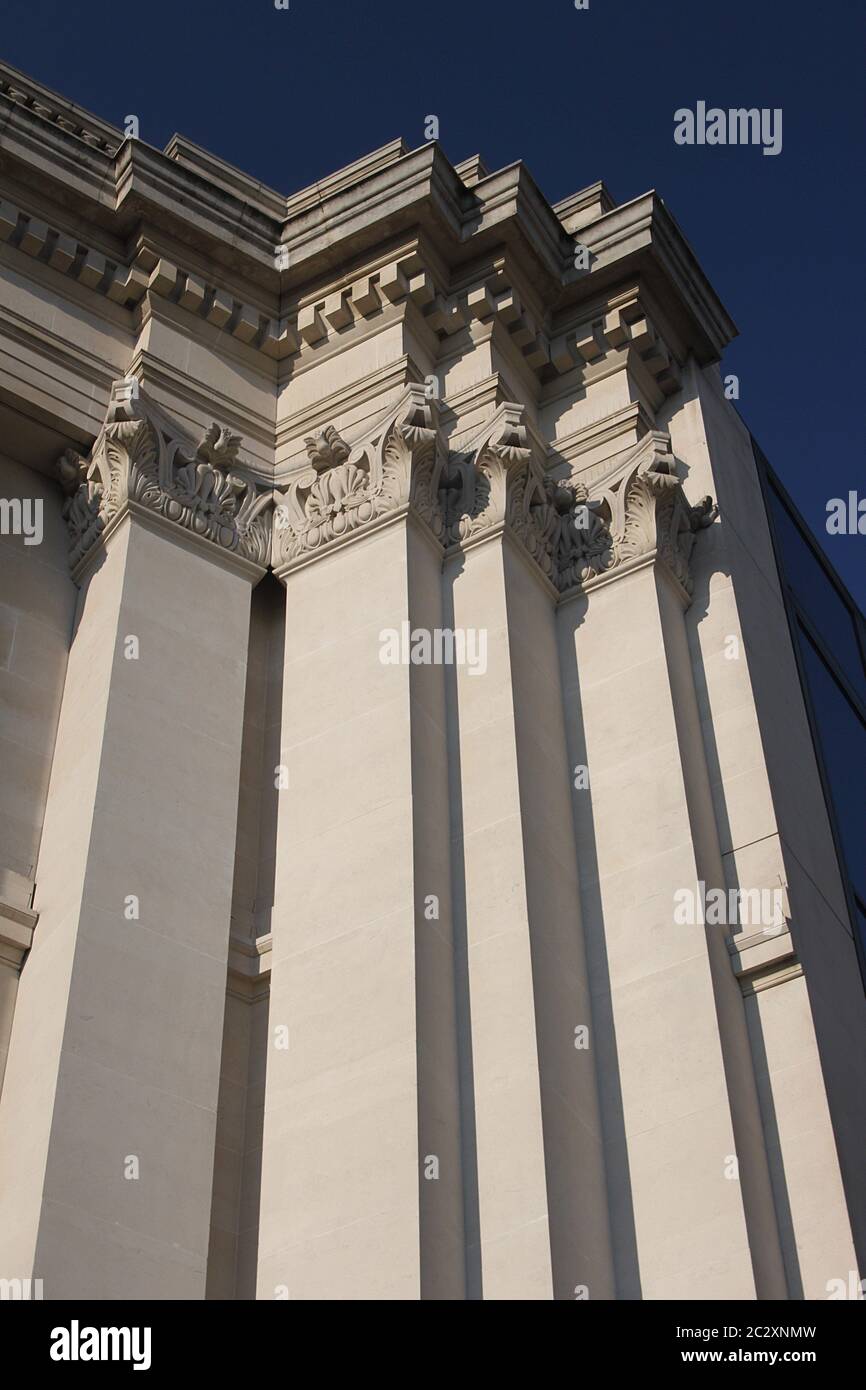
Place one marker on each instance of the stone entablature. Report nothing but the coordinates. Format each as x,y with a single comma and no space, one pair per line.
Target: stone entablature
462,276
120,187
324,320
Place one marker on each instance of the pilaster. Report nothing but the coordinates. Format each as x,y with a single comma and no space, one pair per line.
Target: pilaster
691,1202
542,1231
361,1179
109,1106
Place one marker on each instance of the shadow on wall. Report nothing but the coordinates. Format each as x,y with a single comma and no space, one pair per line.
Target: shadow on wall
695,614
469,1143
620,1203
233,1252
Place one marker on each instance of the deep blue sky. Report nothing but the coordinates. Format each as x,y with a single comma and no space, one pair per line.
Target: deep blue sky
292,95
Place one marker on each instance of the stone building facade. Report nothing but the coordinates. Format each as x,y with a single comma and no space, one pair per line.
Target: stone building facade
401,652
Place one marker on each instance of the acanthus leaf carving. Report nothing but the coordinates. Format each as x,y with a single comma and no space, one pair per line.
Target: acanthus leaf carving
584,544
648,511
503,482
477,488
640,507
139,459
396,465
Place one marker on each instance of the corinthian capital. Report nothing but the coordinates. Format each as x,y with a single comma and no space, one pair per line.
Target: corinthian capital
500,482
645,511
574,535
394,467
139,462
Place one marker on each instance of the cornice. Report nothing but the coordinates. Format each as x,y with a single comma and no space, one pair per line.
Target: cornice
187,154
586,342
45,154
344,178
16,87
585,206
152,186
471,170
508,207
421,187
235,226
643,237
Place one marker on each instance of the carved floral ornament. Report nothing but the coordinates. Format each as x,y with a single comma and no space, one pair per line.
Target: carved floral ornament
402,465
396,466
638,508
138,461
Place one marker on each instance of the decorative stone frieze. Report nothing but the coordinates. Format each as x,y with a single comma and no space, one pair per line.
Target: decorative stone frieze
638,508
138,461
396,466
573,534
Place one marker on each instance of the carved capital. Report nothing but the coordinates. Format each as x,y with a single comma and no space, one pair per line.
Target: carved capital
644,508
501,482
573,536
395,466
138,460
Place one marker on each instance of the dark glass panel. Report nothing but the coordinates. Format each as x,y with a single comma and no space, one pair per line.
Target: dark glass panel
817,595
842,735
861,925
